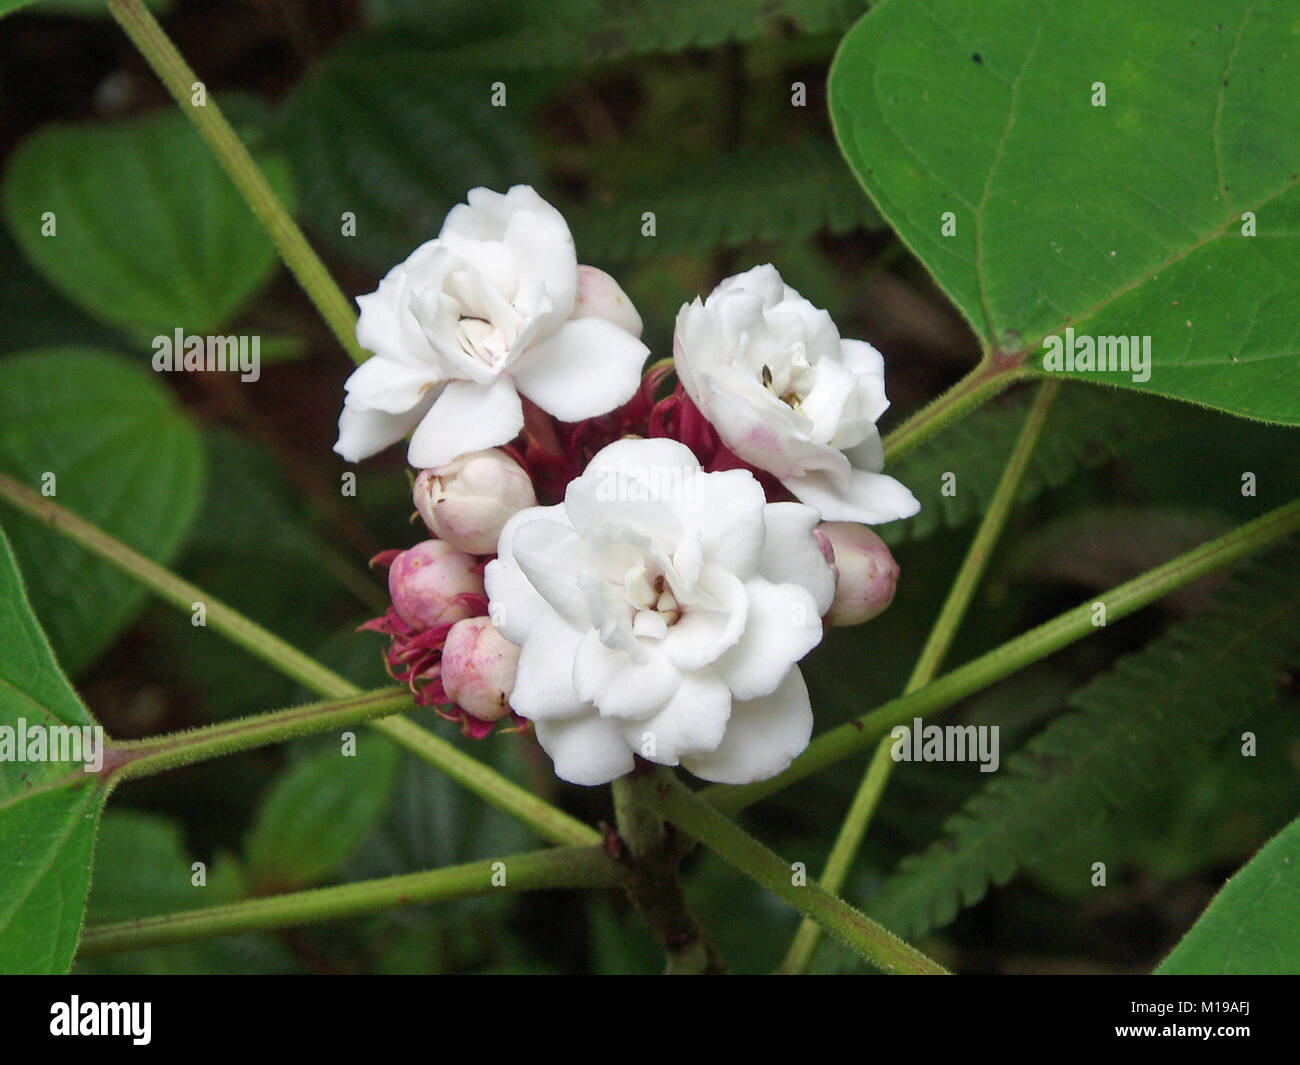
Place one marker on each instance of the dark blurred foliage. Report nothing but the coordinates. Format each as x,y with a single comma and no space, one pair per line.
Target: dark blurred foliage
381,108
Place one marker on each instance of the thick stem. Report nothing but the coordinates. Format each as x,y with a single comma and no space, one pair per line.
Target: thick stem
984,382
181,82
646,847
560,867
1015,654
734,845
804,947
138,758
550,823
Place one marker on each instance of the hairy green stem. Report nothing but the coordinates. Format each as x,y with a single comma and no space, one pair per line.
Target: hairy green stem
1015,654
737,847
171,68
984,382
803,949
557,867
550,823
139,758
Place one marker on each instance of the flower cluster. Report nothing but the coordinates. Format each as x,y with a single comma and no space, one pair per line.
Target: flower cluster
634,569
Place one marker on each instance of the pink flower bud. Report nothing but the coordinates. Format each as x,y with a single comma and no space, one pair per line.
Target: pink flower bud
426,582
478,668
468,501
866,573
599,296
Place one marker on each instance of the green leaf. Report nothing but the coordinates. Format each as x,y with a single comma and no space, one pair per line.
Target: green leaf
34,314
150,235
592,31
1253,924
1116,220
48,809
319,812
383,130
1086,427
772,192
1129,730
122,455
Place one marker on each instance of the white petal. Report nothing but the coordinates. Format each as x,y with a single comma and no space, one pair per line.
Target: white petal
539,240
364,432
381,384
725,510
620,687
705,632
386,325
869,498
791,554
763,736
784,625
637,485
544,679
515,604
693,722
552,557
832,403
865,361
586,750
761,429
589,366
763,281
599,296
466,417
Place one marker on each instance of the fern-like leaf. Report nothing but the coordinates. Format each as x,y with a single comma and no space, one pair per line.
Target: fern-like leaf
595,31
1127,731
771,192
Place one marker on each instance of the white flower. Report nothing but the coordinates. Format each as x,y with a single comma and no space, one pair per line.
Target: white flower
661,611
789,396
470,321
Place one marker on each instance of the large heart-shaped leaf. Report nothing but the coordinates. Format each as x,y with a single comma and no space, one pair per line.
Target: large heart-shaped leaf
146,231
1253,924
48,809
1122,219
105,437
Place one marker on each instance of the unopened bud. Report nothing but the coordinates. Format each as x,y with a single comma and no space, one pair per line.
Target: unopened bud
427,581
469,500
866,574
599,296
478,668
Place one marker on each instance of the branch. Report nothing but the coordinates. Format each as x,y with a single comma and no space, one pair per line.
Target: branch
559,867
646,847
